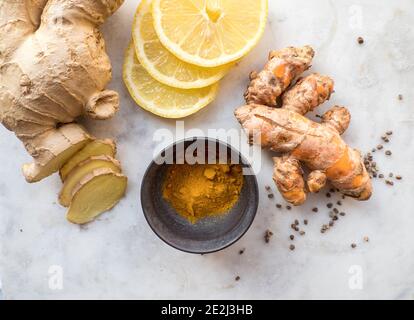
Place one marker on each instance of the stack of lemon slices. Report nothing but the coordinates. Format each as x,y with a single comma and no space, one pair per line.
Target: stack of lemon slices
181,49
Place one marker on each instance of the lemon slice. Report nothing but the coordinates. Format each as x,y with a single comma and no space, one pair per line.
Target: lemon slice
162,100
209,33
160,63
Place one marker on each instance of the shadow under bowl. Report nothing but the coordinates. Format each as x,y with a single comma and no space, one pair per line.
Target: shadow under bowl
209,234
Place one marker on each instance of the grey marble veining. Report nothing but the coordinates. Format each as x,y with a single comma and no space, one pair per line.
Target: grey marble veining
118,256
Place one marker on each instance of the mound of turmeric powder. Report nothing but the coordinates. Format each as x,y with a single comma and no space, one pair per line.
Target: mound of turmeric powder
201,190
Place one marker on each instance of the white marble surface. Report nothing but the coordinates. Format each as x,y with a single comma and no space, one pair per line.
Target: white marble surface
119,256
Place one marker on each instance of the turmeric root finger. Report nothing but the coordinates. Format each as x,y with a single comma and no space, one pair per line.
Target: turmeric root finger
350,176
276,129
283,66
288,177
316,181
308,93
337,118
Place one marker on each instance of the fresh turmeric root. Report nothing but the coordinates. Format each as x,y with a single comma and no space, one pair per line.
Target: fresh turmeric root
299,140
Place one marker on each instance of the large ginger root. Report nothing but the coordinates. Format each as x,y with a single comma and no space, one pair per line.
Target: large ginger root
53,69
285,130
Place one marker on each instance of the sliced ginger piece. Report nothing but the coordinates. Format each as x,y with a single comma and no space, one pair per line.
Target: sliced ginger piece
54,148
34,172
81,170
94,148
97,192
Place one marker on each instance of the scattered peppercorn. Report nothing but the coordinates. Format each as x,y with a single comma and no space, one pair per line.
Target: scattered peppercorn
366,239
242,251
302,233
390,183
390,175
279,206
388,152
268,235
237,278
296,222
339,203
400,97
353,246
292,237
335,210
315,209
381,176
342,214
305,222
329,205
288,207
270,195
328,195
388,133
267,188
360,40
398,177
292,247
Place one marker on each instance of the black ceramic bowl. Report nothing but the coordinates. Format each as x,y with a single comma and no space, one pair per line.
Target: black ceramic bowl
209,234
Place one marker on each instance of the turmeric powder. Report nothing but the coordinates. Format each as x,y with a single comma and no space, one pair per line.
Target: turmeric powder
201,190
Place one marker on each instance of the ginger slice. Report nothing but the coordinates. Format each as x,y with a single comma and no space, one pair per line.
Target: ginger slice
53,149
97,192
81,170
95,148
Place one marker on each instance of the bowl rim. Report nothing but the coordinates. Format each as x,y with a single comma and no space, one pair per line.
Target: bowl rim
255,186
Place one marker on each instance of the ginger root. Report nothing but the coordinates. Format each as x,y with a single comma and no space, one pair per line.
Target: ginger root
299,140
53,69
